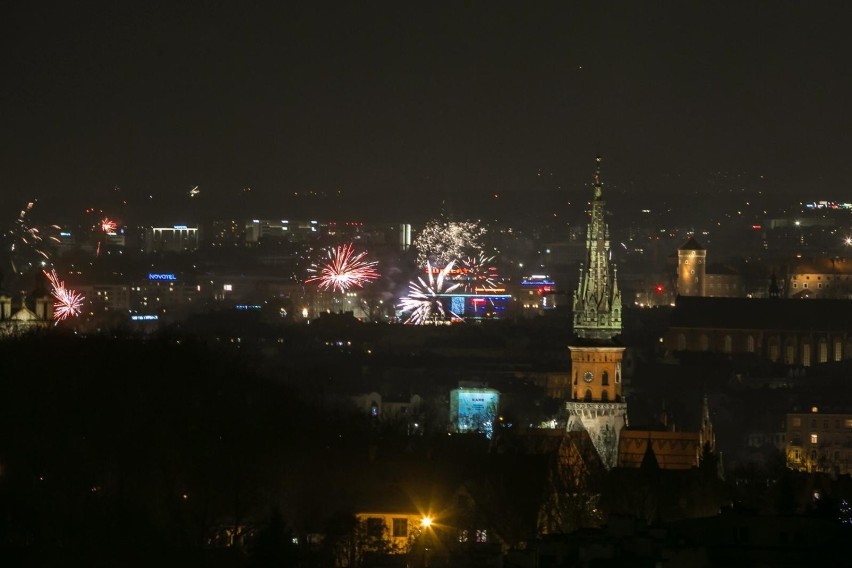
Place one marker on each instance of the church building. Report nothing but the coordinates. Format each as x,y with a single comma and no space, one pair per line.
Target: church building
597,405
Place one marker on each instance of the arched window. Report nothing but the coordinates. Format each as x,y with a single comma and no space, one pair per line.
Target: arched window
790,353
605,396
588,397
822,357
773,350
838,350
806,354
728,344
604,378
617,377
703,343
750,344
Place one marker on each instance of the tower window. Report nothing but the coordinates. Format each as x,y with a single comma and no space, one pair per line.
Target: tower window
604,378
605,396
588,397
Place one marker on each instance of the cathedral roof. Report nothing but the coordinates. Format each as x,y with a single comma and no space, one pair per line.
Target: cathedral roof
822,265
761,313
24,314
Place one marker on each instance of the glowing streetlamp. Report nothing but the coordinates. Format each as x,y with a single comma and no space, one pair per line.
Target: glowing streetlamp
426,522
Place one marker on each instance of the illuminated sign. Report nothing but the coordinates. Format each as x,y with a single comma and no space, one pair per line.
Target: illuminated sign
160,276
437,270
474,410
180,227
247,306
145,318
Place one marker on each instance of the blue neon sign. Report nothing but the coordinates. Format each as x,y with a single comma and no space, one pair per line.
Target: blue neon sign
161,276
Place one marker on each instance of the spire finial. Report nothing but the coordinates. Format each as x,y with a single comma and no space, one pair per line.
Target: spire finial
598,183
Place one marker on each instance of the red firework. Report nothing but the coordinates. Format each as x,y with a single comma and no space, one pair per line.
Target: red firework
343,269
108,225
69,303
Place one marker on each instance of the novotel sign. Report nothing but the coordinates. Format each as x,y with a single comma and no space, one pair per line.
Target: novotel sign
161,276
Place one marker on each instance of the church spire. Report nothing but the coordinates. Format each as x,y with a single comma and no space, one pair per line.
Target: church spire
598,184
597,300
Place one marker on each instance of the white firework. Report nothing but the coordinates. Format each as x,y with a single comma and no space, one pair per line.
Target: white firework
424,297
479,272
442,241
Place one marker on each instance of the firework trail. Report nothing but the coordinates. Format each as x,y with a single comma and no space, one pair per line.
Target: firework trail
424,301
479,272
22,235
69,303
343,269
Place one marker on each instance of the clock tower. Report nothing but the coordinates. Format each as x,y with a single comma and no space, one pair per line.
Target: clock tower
597,405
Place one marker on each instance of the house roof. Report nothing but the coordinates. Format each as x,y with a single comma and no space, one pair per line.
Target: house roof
691,244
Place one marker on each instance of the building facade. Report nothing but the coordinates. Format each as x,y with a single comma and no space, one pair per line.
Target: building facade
819,441
786,331
691,268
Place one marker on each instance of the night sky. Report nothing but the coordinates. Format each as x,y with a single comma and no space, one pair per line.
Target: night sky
412,103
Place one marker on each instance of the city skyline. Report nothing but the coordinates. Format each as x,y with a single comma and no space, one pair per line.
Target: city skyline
405,106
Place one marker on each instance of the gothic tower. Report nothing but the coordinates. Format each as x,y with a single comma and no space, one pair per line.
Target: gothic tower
691,268
596,403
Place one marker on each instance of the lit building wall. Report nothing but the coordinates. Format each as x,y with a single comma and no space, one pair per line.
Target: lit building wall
819,441
178,238
691,267
396,529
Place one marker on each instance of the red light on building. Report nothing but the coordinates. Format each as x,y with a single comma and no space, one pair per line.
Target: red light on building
659,289
757,227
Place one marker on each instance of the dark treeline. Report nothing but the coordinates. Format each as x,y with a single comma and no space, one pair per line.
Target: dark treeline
132,444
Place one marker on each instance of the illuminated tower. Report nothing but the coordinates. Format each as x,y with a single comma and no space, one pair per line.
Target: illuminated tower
596,404
691,268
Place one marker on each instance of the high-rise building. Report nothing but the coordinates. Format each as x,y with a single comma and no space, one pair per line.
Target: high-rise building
596,404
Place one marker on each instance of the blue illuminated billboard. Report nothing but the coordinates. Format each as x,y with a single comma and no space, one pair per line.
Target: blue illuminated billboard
474,410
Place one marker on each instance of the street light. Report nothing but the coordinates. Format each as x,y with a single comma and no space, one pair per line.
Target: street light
426,522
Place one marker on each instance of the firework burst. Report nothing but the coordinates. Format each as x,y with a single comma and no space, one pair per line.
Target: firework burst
442,241
108,225
424,297
343,269
69,303
479,272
